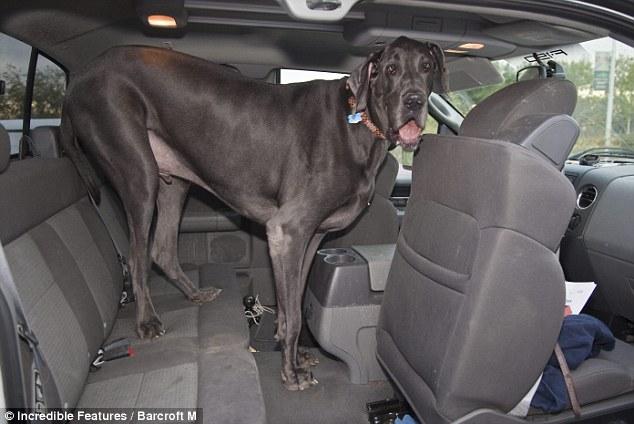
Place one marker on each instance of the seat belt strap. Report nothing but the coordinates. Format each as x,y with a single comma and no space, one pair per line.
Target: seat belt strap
44,392
127,295
570,387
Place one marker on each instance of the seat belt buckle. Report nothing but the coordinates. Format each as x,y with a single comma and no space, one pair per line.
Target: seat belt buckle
126,297
116,349
25,334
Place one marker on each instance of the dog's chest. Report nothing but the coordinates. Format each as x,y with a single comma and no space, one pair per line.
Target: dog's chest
361,199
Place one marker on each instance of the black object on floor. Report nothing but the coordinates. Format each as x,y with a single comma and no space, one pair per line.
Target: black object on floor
386,411
334,400
263,336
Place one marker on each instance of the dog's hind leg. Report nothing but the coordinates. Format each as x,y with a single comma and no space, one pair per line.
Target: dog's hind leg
169,204
120,145
289,240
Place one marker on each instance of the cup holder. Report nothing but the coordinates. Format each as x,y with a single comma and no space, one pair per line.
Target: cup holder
339,259
335,251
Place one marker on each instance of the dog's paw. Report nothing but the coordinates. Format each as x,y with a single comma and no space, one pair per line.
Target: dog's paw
204,296
150,329
305,359
300,379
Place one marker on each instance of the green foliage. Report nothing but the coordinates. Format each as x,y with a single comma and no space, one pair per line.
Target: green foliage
48,93
11,103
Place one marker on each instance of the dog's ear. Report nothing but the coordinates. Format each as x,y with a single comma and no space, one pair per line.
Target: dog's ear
359,80
440,84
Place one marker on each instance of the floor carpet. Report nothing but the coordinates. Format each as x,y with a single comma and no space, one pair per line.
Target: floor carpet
333,401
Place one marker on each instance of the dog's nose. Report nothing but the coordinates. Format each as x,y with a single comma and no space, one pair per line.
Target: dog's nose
414,101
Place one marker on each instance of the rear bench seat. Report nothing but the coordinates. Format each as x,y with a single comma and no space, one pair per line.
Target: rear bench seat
70,283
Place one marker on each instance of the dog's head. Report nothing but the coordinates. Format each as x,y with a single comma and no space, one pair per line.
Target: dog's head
394,85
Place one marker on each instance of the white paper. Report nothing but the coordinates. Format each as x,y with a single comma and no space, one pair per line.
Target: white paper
577,294
521,409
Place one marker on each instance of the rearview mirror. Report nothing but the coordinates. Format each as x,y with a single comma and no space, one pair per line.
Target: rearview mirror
551,69
531,73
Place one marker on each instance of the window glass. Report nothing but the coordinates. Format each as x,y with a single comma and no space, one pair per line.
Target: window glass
288,76
48,93
14,65
603,71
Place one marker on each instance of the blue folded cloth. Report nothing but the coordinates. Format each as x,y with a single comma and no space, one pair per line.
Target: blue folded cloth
581,337
407,419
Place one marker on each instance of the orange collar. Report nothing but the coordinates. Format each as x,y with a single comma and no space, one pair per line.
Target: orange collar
352,102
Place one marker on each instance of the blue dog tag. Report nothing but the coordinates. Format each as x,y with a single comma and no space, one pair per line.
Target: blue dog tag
354,118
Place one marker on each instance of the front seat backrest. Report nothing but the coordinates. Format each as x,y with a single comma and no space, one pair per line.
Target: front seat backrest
474,299
533,113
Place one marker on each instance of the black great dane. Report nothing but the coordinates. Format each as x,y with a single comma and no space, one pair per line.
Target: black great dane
300,159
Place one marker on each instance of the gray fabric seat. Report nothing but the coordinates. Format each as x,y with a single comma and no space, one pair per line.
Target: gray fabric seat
378,223
69,281
474,300
221,323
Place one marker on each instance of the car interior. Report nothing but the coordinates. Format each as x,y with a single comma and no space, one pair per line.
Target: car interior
443,300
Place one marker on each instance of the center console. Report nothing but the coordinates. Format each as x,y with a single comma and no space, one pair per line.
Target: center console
342,303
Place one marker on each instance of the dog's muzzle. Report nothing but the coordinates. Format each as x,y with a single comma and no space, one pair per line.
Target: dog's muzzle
408,136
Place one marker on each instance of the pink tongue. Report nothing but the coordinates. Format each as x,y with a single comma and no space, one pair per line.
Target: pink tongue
409,131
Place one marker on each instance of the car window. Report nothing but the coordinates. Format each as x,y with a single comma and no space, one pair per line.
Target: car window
14,65
49,86
288,76
604,111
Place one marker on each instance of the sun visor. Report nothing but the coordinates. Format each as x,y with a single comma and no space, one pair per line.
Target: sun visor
471,72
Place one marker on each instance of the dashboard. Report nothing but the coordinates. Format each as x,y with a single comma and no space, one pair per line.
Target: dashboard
599,243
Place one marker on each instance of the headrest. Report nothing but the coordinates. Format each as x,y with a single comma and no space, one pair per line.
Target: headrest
386,176
496,113
45,142
550,136
533,113
5,149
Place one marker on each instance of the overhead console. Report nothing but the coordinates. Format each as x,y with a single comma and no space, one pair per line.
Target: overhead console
455,34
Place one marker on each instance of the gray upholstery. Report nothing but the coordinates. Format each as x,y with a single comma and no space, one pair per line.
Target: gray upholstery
5,149
69,281
378,223
495,114
534,114
474,299
45,142
21,209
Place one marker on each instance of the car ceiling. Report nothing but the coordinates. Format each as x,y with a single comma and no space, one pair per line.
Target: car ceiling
258,36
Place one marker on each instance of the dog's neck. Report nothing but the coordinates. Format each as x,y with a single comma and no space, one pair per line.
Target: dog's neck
352,102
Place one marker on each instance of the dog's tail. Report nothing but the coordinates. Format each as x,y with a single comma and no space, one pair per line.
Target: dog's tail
72,149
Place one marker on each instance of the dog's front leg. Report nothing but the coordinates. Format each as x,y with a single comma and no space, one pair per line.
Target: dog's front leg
288,245
169,205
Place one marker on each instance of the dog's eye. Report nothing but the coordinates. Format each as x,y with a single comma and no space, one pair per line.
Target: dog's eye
426,66
391,69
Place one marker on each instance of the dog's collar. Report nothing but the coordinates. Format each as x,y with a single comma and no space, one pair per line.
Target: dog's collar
355,117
